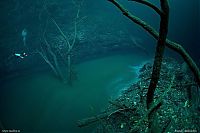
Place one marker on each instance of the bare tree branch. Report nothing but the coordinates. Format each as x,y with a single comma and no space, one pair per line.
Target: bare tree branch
75,29
159,51
59,29
170,44
70,42
44,56
54,58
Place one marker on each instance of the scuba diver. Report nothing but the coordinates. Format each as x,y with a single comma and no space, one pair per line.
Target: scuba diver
22,55
18,56
14,58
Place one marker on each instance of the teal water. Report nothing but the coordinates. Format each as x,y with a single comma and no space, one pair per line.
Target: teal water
41,103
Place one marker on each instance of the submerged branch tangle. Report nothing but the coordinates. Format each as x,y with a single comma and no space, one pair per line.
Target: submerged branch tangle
170,44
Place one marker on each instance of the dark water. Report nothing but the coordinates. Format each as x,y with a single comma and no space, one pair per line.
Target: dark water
107,52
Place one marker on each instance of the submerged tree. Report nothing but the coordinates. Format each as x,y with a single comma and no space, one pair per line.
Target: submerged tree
160,37
68,42
162,41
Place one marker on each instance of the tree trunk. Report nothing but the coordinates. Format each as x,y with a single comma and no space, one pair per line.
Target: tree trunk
170,44
158,61
159,51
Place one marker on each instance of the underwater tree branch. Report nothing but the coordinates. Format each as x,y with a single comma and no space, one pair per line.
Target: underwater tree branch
147,3
159,51
55,66
170,44
55,23
51,52
156,105
75,30
44,56
71,47
54,58
61,32
75,33
69,43
42,53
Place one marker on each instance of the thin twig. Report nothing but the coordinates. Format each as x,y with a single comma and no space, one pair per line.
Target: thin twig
54,57
55,23
42,54
75,30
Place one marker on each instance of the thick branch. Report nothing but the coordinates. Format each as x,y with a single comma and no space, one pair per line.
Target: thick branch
145,2
170,44
156,105
159,51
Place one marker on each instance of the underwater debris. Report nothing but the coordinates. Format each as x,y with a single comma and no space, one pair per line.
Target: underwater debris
171,109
